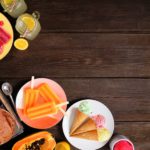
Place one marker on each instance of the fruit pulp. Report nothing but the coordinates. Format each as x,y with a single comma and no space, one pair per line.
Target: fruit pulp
4,38
8,2
29,22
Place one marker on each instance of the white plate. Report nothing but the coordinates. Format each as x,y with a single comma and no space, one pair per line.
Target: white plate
97,108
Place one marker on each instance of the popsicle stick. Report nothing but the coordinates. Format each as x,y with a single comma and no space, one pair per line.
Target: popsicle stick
45,115
51,116
62,104
32,82
64,113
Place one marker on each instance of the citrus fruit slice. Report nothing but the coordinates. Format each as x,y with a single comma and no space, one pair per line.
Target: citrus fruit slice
29,22
21,44
62,146
8,2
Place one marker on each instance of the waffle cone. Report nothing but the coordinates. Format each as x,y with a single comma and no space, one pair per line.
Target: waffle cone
90,135
78,120
88,125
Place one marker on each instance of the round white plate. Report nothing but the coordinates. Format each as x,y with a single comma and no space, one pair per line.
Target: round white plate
97,108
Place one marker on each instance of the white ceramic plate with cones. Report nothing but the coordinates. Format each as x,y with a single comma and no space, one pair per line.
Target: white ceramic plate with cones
84,144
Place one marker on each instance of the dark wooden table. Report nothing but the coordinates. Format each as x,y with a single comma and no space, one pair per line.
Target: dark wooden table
97,49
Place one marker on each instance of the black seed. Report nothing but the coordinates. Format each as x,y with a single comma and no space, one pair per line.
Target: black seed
35,145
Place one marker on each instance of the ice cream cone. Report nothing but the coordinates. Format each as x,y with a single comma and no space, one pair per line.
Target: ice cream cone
88,125
90,135
78,120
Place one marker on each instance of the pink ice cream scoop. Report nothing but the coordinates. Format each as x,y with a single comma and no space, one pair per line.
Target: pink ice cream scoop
123,145
99,120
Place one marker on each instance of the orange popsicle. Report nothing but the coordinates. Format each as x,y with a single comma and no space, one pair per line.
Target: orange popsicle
42,110
48,94
30,98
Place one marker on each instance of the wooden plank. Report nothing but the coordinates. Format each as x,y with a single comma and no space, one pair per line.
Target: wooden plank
136,131
128,99
81,55
93,16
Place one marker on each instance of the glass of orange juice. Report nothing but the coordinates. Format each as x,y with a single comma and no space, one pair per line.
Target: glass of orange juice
28,25
14,7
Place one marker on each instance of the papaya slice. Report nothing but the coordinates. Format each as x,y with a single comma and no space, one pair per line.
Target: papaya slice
39,141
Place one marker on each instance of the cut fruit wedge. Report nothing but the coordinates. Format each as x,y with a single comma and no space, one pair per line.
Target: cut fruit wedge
21,44
44,139
8,2
62,146
29,22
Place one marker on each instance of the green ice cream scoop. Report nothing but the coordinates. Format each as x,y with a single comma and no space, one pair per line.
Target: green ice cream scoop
85,107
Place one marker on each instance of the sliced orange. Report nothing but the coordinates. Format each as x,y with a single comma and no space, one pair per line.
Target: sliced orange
29,22
21,44
8,2
62,146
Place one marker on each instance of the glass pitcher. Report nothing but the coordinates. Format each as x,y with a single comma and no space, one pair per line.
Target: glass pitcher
28,25
14,7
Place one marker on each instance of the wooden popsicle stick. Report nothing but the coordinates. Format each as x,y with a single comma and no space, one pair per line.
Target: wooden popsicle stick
52,117
32,82
62,104
41,116
64,113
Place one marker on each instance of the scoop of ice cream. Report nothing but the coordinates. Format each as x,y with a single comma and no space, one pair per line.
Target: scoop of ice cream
85,107
123,145
99,120
103,134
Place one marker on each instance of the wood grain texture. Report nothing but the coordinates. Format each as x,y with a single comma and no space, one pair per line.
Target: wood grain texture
128,99
81,55
138,132
94,49
93,16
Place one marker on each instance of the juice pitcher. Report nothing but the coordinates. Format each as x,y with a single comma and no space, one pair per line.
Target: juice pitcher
28,25
14,7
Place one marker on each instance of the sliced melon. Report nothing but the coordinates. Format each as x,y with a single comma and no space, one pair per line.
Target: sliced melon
8,28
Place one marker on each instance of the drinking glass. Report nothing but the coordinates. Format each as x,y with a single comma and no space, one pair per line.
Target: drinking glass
28,25
14,7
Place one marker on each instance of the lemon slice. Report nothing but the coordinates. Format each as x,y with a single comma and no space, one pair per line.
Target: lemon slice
29,22
62,146
8,2
21,44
